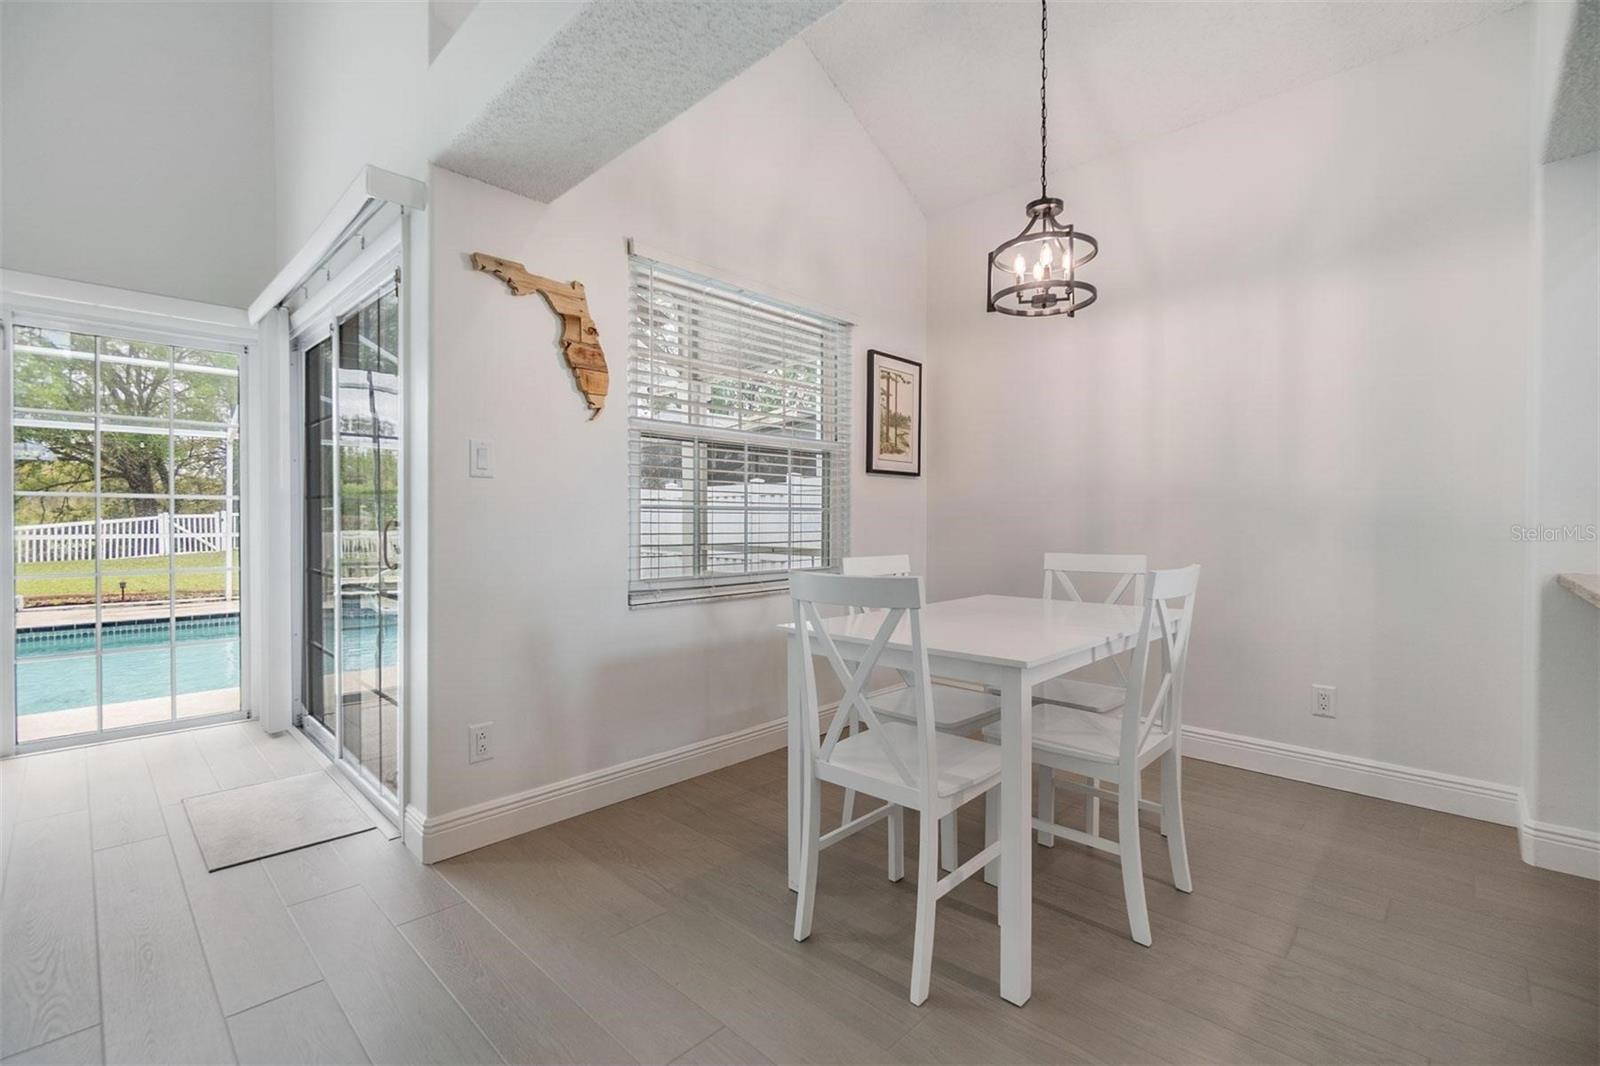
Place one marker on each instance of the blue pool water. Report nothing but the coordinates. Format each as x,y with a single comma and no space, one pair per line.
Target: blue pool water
137,663
56,669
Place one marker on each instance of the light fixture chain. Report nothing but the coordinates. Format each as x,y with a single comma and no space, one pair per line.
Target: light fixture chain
1044,107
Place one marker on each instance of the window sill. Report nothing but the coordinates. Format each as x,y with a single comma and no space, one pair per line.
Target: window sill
675,597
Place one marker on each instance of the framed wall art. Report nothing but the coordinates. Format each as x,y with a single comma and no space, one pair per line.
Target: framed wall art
894,415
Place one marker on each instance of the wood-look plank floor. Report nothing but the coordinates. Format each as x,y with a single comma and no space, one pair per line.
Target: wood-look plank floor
1324,927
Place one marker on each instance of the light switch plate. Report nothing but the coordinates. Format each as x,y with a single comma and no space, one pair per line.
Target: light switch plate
480,457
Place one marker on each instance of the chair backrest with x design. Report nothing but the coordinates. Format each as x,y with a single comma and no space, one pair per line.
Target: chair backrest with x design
1059,567
901,600
1167,620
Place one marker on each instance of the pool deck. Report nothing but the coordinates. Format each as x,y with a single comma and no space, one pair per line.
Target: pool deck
45,725
40,617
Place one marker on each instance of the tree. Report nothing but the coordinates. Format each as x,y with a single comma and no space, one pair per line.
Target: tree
894,425
144,392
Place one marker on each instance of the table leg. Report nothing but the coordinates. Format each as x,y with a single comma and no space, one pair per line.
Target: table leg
796,739
1016,840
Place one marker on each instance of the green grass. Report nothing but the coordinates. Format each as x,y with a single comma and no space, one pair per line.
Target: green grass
59,583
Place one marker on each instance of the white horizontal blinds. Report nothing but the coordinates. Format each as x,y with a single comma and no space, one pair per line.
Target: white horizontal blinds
739,443
710,355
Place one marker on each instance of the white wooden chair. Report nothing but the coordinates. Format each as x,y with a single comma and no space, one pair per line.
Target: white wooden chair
1059,568
904,764
957,708
1116,745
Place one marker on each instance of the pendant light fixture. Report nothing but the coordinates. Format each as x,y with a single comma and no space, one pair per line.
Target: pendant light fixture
1035,273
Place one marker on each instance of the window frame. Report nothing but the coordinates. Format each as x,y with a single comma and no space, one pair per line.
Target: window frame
829,448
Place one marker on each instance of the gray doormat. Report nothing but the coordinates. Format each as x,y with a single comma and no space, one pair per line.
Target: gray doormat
244,824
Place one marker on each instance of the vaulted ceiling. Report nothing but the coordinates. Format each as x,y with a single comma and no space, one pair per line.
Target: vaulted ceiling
615,72
950,90
947,88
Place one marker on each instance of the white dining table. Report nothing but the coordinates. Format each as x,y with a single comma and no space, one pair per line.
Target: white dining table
1006,643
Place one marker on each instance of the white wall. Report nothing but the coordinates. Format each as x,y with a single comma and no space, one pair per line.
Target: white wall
1306,373
354,83
136,146
1565,790
1554,21
347,88
529,623
1561,756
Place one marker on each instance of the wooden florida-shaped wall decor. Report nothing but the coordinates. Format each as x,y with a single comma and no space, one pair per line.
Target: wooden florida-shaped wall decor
580,340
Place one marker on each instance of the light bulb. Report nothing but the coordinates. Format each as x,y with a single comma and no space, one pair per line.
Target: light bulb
1019,268
1038,271
1044,255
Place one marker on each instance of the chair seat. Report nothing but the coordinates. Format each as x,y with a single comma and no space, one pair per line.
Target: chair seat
1088,695
955,710
1079,734
962,762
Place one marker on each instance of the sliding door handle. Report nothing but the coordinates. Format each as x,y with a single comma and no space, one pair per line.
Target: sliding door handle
383,546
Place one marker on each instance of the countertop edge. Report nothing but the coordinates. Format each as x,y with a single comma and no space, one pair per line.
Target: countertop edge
1583,586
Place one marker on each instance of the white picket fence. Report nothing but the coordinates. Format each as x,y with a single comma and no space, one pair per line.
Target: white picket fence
124,538
759,526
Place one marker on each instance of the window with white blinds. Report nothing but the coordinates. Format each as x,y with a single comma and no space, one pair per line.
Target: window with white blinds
738,438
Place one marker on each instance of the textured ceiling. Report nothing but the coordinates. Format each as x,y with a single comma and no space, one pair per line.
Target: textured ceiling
1575,123
618,71
950,90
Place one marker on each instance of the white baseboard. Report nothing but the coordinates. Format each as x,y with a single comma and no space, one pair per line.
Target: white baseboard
1552,847
1561,848
1471,798
480,825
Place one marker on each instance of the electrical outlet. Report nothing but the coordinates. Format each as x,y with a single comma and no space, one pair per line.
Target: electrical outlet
1322,701
479,747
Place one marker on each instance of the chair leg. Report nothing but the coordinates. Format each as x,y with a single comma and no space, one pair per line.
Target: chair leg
1132,861
927,888
1094,810
1172,818
897,842
1047,803
948,859
991,833
811,835
1165,806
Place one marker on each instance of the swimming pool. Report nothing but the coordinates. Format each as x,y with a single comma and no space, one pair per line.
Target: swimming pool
56,668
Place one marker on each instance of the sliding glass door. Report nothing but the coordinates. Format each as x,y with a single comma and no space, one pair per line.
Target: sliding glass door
351,690
125,520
